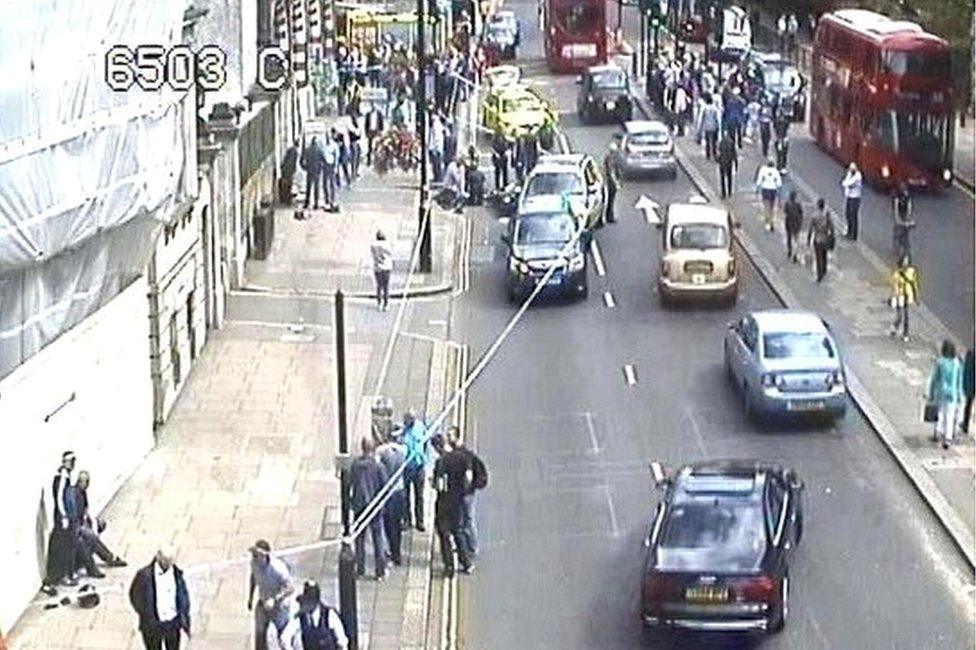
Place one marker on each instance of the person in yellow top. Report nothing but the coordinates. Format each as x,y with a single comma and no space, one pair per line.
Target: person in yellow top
904,292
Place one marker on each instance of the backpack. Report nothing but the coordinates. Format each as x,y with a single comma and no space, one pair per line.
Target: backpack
479,480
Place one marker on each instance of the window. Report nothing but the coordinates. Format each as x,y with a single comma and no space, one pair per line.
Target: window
610,79
928,64
795,345
747,330
549,229
731,529
775,495
581,19
699,236
548,183
923,138
649,138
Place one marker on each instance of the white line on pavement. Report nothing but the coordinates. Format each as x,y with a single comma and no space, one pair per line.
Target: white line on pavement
630,375
608,299
591,430
597,259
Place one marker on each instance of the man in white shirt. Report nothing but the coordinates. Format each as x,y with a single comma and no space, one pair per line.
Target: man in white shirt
852,199
160,598
768,183
436,148
382,267
320,625
454,185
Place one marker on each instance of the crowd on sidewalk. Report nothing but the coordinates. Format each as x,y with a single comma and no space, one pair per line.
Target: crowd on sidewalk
726,112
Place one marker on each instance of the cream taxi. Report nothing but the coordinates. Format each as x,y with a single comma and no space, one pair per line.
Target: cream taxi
697,259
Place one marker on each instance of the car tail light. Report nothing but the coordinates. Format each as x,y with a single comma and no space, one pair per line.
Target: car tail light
661,587
760,589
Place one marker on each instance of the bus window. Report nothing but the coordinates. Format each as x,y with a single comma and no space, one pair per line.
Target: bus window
580,19
926,64
885,127
923,138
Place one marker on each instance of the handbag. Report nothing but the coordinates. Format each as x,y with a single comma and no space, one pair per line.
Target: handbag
931,412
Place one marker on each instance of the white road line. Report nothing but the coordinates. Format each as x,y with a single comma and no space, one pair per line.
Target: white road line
694,427
597,259
591,430
437,322
614,530
818,631
422,337
608,299
630,375
280,325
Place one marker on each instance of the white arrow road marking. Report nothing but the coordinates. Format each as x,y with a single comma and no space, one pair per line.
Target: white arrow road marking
649,207
597,259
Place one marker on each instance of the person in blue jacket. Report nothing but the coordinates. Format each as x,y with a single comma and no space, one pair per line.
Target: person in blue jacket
733,116
945,391
416,438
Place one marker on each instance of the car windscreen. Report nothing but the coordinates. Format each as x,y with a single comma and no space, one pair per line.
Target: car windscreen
699,235
553,183
795,345
609,79
518,104
714,533
555,228
649,138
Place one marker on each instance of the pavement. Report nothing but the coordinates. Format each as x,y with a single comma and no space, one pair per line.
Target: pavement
566,432
249,449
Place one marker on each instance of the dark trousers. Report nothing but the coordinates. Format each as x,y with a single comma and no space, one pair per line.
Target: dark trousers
790,243
382,287
313,186
437,166
167,634
60,554
500,163
967,414
820,259
734,129
392,524
284,189
711,144
725,173
468,526
329,177
851,208
413,484
611,198
452,539
370,144
765,134
379,549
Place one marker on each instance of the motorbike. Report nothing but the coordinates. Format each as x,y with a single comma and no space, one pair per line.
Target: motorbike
505,200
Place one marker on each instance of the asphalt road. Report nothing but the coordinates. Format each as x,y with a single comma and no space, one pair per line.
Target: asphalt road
567,441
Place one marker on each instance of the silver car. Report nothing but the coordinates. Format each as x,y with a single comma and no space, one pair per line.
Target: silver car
785,362
644,146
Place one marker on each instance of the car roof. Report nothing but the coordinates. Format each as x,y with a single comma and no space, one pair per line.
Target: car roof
789,320
644,126
681,213
562,159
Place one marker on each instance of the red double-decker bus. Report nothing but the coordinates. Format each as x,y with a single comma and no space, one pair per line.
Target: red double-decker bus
881,96
576,33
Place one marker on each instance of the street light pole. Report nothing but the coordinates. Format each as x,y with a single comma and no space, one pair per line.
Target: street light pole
425,264
347,557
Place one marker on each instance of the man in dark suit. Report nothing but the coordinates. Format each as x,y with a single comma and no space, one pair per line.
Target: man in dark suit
288,168
160,598
374,126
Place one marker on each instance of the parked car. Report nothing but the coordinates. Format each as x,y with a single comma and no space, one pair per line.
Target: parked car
785,362
544,234
644,146
575,178
720,545
604,93
697,259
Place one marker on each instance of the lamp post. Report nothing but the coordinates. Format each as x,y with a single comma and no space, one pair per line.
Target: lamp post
424,264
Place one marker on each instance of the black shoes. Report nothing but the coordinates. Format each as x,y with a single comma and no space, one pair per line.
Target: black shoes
420,527
467,570
95,574
117,562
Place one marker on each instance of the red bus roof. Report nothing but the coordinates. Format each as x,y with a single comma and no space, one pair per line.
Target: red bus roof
882,30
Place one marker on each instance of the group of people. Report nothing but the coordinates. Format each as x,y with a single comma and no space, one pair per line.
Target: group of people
75,539
458,473
328,163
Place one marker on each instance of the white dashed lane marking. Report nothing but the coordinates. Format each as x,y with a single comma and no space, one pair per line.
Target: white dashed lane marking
597,259
608,299
630,375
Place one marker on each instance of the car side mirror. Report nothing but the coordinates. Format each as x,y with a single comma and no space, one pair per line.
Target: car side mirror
579,81
506,239
659,475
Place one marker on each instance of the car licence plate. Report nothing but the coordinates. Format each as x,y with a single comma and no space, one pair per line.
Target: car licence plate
698,278
707,594
555,279
805,405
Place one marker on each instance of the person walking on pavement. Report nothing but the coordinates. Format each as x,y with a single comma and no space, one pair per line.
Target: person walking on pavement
330,170
852,199
61,546
160,598
733,115
355,143
435,148
313,162
679,109
320,625
343,172
476,480
450,475
271,579
753,108
902,220
768,184
499,160
765,127
793,219
904,292
968,388
374,127
382,267
613,184
366,479
821,235
728,160
416,440
945,391
709,123
392,454
289,165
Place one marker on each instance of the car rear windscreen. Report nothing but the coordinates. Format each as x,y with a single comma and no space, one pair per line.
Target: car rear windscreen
713,533
789,345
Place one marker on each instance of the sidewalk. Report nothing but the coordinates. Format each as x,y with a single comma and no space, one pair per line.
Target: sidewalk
249,449
886,376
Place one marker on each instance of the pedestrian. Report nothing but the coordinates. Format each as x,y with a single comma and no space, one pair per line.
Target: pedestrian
159,595
320,625
374,127
313,162
382,267
61,546
728,160
499,160
474,178
416,440
450,140
793,220
613,184
821,235
330,170
733,116
768,184
968,388
454,192
450,474
782,152
289,165
366,479
902,220
709,123
765,127
344,172
392,454
271,579
945,391
904,292
355,143
852,199
289,635
753,108
679,108
478,480
435,148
